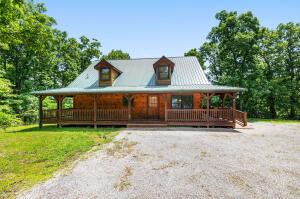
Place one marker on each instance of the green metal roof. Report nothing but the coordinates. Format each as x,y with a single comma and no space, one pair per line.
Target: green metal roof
146,89
138,76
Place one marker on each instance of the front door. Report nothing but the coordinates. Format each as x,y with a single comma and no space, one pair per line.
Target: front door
153,108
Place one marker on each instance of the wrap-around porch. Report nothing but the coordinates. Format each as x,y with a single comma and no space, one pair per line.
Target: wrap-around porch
144,109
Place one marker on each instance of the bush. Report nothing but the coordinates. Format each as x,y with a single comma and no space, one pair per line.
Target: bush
27,108
7,120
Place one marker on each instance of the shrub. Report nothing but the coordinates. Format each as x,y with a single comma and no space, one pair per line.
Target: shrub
7,120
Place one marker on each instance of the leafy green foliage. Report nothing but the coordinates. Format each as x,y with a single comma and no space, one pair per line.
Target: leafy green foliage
26,107
239,52
116,54
7,100
36,56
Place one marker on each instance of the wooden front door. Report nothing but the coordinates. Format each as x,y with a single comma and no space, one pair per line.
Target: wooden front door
153,108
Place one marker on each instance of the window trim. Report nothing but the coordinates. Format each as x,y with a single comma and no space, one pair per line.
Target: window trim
158,73
109,73
181,104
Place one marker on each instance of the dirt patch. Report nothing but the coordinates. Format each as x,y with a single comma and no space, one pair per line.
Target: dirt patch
204,154
238,180
121,148
124,180
286,172
141,157
167,165
294,190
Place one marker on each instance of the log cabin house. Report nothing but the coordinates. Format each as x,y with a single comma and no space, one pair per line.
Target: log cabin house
166,91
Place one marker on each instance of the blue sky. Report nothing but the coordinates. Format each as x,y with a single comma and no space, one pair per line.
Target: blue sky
152,28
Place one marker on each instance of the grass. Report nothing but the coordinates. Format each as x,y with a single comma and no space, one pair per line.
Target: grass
29,155
275,121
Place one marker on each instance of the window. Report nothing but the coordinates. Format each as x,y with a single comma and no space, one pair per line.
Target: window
163,72
182,102
105,74
152,102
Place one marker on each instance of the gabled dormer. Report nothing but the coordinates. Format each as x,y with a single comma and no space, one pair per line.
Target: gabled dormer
107,73
163,71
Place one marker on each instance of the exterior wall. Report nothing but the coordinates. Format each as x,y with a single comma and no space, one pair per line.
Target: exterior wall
139,108
114,101
114,75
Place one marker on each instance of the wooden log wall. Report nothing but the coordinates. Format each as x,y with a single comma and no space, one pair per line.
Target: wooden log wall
139,107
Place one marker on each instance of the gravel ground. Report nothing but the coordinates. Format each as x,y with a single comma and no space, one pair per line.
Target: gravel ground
261,161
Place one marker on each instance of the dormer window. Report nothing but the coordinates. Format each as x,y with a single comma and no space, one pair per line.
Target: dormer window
163,69
163,72
105,74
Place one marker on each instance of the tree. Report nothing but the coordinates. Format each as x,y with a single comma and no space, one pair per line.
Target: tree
67,64
268,61
36,56
28,44
230,53
7,116
90,50
289,48
116,54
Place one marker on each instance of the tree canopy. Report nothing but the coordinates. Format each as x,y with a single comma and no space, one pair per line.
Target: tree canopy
240,52
34,55
116,54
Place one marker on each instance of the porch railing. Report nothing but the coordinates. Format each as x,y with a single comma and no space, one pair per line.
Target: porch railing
173,115
112,114
85,115
77,115
241,117
50,115
199,115
216,115
193,115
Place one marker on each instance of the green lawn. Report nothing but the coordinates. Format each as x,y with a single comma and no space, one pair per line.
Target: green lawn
29,155
275,121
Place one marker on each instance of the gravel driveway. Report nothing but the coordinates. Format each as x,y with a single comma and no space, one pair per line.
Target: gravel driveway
261,161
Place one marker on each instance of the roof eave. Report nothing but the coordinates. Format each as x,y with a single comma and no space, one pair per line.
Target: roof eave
94,91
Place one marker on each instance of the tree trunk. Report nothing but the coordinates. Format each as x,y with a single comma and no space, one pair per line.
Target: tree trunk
272,107
292,106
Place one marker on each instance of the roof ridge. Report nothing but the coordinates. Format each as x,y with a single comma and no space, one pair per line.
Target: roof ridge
147,58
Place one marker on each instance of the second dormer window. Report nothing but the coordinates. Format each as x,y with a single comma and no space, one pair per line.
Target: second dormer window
105,74
163,72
